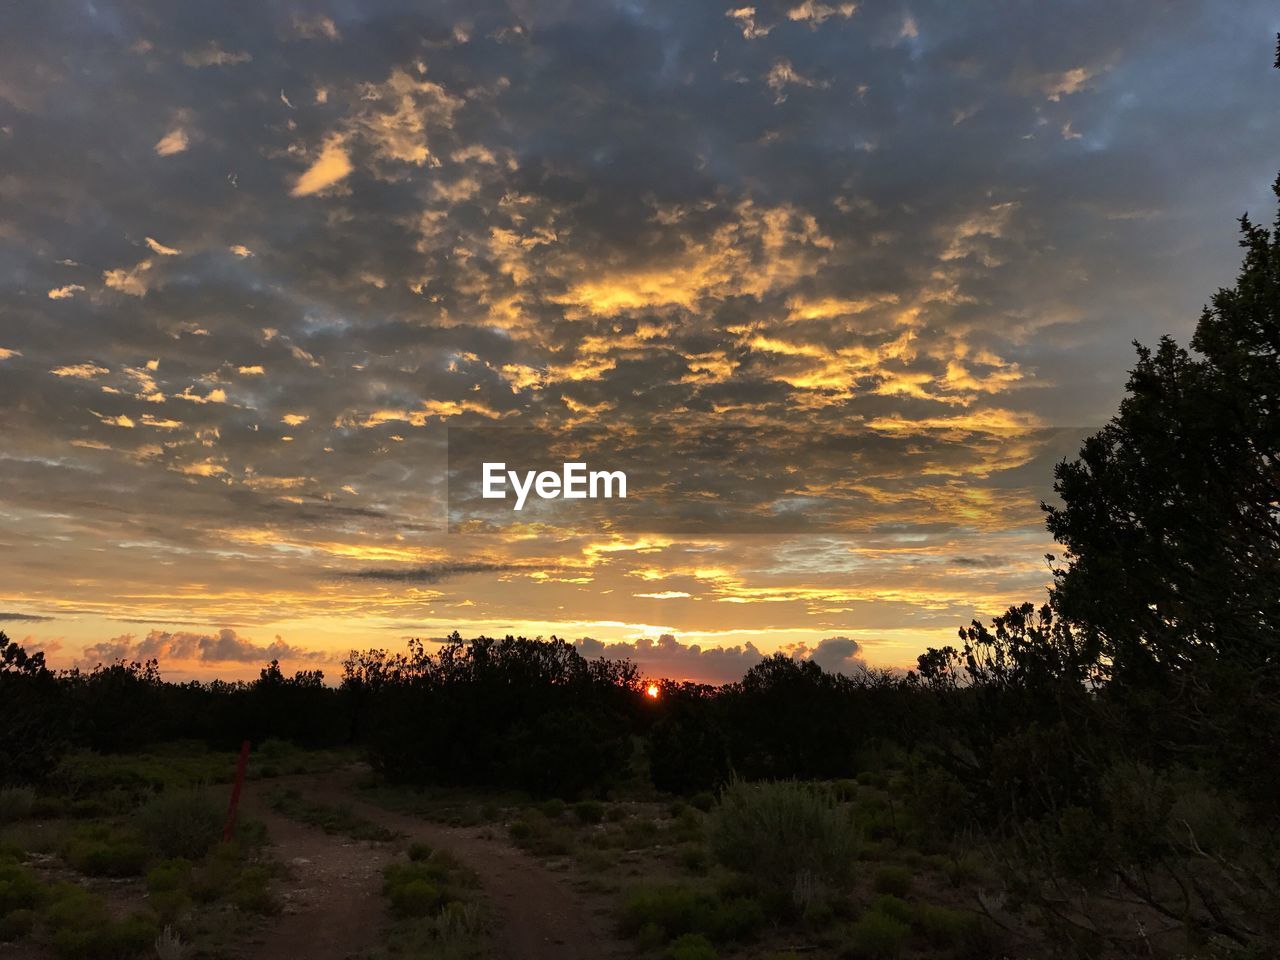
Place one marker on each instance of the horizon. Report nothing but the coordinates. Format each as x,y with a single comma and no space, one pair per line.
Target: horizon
260,269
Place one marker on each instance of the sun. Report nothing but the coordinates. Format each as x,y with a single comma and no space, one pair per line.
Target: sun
652,691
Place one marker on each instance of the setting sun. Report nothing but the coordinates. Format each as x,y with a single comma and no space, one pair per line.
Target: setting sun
652,691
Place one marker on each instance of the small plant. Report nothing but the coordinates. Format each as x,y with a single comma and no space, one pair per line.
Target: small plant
892,880
16,803
100,852
169,945
691,946
703,800
671,911
877,936
589,811
552,809
780,831
182,822
419,851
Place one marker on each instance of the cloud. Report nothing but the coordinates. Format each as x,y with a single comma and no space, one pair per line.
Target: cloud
240,250
175,141
746,20
130,281
80,371
331,167
837,655
212,55
435,572
65,293
225,646
668,657
817,12
23,618
315,27
158,247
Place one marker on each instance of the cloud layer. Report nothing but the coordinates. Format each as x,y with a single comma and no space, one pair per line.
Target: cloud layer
254,267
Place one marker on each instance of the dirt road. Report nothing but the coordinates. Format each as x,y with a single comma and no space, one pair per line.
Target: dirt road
336,909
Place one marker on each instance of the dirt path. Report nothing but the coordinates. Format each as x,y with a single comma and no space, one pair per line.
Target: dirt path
337,909
333,908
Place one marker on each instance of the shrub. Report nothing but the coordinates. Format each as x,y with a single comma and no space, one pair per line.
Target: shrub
589,811
893,880
16,803
960,930
703,800
780,831
691,946
694,858
182,822
251,892
99,853
19,888
419,851
674,910
895,907
16,924
169,945
877,936
552,809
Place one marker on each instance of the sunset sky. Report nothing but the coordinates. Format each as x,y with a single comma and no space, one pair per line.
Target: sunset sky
255,258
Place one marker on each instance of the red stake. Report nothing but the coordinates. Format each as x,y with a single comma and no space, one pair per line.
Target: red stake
235,792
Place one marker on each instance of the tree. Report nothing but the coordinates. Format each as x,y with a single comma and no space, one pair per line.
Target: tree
1171,514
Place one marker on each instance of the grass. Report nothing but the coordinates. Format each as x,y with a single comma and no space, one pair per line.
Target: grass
331,818
434,904
782,834
666,912
182,821
877,936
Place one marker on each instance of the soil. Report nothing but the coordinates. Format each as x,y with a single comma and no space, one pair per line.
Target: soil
334,907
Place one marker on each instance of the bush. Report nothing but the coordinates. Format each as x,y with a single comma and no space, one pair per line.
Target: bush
672,911
97,852
417,889
19,888
552,809
892,880
780,832
895,907
419,851
589,811
877,936
182,822
16,924
691,946
16,803
959,930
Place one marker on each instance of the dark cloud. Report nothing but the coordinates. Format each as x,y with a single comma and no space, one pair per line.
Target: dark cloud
23,617
433,573
668,657
225,646
253,265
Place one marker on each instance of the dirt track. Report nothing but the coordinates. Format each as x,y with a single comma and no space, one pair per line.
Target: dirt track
336,909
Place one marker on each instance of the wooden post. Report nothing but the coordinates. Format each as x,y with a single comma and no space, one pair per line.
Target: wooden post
229,829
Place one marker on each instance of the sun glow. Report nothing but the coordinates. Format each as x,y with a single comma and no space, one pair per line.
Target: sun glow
652,691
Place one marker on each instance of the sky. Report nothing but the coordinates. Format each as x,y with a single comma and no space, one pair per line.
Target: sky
840,281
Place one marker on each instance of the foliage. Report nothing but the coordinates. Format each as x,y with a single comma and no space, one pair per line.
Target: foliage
182,822
877,936
781,832
667,912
